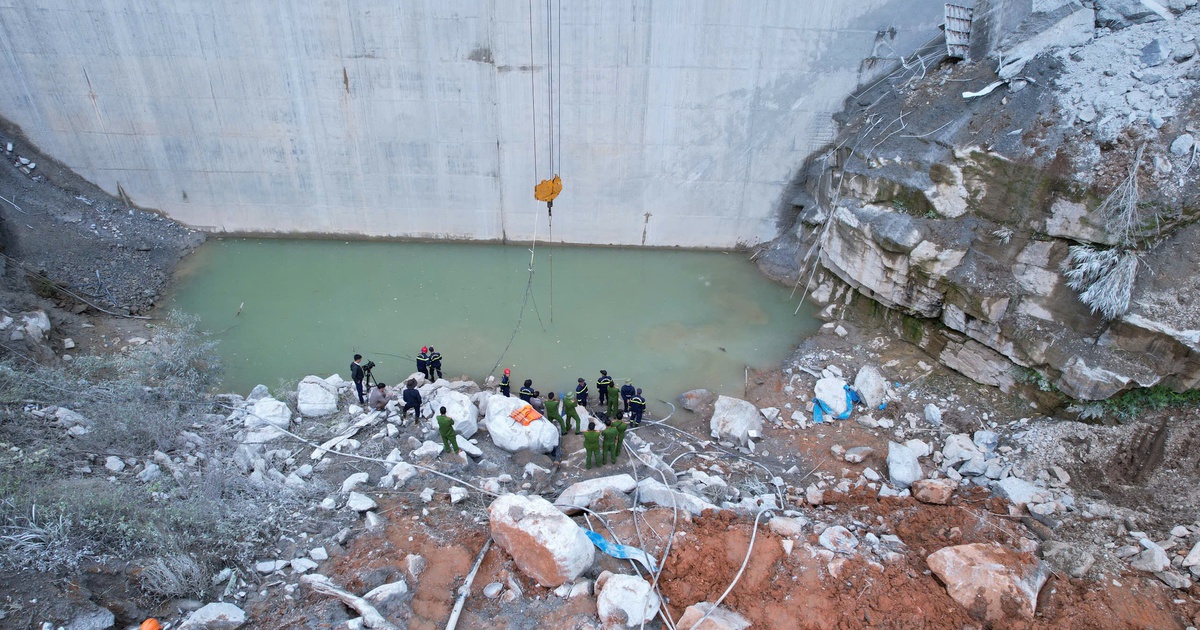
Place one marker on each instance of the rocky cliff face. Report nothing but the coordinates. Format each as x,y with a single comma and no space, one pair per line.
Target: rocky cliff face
1047,225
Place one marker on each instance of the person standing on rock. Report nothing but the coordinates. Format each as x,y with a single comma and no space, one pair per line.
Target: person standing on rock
528,392
446,429
505,386
591,444
627,392
637,406
423,361
621,428
571,414
357,375
553,415
614,406
581,393
435,363
602,384
412,400
610,435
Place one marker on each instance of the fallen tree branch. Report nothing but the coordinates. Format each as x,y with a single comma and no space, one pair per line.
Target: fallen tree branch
371,617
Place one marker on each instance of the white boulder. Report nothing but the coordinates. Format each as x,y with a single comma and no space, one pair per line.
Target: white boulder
467,447
871,386
268,412
624,600
734,419
459,408
719,619
832,392
360,502
903,467
544,543
583,493
215,616
315,396
653,491
540,435
990,579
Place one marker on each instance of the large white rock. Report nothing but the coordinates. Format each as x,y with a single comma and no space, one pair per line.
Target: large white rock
215,616
832,391
544,543
719,619
624,600
467,447
903,467
540,436
990,579
1019,491
733,419
583,493
653,491
459,408
315,396
871,386
268,411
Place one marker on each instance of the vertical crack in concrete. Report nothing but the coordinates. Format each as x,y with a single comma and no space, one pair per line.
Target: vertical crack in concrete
645,226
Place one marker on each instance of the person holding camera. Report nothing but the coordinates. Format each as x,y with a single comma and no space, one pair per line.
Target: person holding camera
357,375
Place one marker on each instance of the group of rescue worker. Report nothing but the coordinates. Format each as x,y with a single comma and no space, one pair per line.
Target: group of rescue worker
599,445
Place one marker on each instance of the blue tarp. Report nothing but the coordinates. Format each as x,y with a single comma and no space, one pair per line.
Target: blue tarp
624,552
820,408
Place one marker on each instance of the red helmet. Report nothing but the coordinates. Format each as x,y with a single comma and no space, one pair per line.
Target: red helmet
506,371
424,349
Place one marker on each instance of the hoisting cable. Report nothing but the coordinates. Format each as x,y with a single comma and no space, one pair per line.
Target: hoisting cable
548,189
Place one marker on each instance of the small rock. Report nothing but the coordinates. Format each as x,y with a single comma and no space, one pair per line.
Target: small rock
903,467
360,502
215,616
871,475
1155,54
857,454
935,491
986,440
814,495
114,463
1073,560
719,619
303,565
427,495
150,473
355,480
1182,145
1153,560
1193,557
492,591
319,554
457,494
933,415
838,539
266,567
1174,580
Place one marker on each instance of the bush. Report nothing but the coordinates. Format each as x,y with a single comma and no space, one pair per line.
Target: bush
1103,278
181,526
1132,403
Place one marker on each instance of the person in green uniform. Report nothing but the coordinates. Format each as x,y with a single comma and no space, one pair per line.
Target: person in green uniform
591,444
446,428
621,428
609,434
553,415
571,414
614,406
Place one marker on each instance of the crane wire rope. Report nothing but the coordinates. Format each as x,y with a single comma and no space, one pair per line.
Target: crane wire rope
533,108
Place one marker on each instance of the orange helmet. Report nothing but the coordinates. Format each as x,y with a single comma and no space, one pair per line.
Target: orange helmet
150,624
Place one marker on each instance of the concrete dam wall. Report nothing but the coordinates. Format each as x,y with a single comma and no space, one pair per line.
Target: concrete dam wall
678,122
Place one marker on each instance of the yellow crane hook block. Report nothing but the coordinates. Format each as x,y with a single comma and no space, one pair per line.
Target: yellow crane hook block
548,189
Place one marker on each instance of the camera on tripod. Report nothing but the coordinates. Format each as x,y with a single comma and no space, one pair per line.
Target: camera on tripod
370,378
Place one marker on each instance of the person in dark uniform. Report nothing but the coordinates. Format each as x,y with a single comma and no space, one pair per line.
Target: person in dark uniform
602,384
423,361
528,392
581,393
412,400
505,386
637,405
627,392
357,375
435,363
